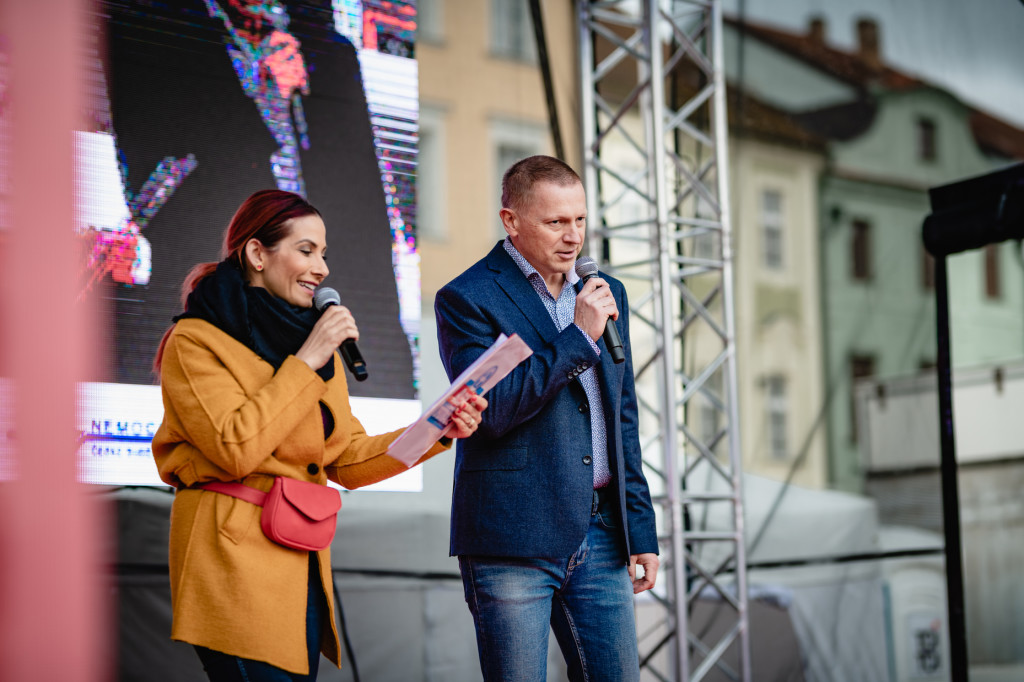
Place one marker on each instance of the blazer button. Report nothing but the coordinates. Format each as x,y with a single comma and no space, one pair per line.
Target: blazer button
586,459
583,408
313,469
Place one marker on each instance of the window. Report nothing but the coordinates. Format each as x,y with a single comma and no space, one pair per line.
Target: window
430,21
511,141
926,147
927,270
993,282
512,30
860,251
777,410
861,367
508,154
431,177
771,229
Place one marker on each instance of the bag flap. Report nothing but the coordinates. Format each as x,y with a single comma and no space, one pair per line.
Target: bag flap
316,501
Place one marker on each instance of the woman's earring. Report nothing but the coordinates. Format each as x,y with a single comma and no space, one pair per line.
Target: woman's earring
259,266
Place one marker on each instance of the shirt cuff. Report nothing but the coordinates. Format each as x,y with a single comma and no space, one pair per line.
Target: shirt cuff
593,344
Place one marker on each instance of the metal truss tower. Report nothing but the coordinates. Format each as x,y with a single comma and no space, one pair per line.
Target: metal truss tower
656,170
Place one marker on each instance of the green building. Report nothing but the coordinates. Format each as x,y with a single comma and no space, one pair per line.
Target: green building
890,137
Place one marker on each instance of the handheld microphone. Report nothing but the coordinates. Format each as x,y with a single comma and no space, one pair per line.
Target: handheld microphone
585,269
322,300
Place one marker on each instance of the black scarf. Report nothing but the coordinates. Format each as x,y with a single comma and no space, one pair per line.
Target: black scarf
270,326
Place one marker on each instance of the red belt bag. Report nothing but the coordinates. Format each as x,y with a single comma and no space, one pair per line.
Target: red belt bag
296,514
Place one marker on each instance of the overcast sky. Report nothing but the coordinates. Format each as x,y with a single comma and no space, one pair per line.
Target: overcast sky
974,48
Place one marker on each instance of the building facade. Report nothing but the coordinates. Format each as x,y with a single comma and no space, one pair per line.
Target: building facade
890,137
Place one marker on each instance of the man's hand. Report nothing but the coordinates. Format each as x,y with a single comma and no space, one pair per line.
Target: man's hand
594,305
649,562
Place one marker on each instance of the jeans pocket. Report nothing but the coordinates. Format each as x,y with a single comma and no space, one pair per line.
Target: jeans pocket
608,519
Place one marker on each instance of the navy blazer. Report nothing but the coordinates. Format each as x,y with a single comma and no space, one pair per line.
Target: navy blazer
524,480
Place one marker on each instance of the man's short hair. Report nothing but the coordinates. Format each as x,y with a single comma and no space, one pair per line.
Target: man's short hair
521,176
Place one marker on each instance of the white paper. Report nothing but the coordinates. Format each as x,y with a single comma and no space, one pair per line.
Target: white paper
490,368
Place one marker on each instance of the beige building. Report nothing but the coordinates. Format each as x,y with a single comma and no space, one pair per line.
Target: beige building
778,308
774,172
774,169
482,107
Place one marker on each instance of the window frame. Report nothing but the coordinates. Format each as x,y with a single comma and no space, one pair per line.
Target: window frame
992,273
502,22
776,404
435,228
861,231
773,242
927,139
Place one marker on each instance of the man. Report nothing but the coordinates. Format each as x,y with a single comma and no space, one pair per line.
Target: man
551,513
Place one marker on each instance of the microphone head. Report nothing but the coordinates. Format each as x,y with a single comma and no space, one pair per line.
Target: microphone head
324,297
586,267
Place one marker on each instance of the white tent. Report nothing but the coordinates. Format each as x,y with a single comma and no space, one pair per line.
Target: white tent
836,608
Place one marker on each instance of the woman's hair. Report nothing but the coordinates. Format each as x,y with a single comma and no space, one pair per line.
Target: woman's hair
263,216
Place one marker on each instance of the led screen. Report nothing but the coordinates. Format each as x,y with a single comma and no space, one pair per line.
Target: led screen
197,104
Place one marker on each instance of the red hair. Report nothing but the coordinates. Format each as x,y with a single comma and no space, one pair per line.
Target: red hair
264,217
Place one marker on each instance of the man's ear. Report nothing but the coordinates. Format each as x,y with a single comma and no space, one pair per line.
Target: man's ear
509,221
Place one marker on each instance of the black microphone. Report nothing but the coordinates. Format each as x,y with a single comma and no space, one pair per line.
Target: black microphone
323,299
585,269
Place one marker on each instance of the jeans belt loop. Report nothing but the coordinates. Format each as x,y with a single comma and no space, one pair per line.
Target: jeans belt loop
600,494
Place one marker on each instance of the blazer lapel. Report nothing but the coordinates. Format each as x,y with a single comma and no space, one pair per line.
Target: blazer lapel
522,294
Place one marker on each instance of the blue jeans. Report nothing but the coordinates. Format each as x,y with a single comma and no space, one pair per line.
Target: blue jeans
221,667
587,599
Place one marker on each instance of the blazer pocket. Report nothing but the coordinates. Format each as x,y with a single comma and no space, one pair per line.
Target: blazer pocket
505,459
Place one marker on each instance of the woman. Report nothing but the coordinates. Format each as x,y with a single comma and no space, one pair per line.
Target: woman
252,390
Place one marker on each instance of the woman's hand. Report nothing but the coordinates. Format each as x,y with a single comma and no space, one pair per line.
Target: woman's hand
467,417
334,326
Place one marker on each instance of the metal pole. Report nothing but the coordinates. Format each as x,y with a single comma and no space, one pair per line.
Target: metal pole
588,123
721,129
950,491
654,103
545,70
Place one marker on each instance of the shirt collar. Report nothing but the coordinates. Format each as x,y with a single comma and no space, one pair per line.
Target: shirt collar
571,277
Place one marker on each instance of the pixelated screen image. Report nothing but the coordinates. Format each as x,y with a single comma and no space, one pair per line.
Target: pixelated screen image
195,105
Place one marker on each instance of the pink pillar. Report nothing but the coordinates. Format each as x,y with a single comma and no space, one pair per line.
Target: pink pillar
54,598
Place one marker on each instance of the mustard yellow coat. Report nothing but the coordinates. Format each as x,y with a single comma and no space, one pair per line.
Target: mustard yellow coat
228,416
